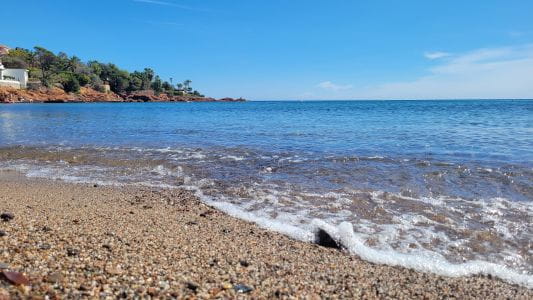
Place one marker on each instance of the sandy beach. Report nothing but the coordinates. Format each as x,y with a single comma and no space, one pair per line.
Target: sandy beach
85,241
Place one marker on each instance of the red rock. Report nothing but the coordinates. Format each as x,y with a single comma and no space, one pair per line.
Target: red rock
16,278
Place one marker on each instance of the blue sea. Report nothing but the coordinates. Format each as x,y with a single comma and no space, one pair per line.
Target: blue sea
438,186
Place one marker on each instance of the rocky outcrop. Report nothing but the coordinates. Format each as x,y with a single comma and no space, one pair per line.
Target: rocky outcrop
10,95
57,95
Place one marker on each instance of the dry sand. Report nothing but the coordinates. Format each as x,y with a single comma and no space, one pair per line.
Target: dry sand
81,241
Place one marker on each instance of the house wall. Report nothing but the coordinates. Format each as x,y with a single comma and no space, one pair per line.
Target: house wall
21,75
10,83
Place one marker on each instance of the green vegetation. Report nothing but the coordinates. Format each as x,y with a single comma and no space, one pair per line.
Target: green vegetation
70,73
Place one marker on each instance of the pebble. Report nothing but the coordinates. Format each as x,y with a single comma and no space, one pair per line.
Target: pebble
114,270
244,263
54,278
72,252
241,288
161,257
4,266
227,285
16,278
2,233
45,246
192,286
7,216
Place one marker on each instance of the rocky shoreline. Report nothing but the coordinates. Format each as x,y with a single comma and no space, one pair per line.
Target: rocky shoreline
60,240
57,95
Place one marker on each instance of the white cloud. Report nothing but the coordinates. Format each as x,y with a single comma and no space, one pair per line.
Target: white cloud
436,55
328,85
490,73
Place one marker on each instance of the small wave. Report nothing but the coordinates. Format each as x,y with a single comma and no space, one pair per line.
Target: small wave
353,216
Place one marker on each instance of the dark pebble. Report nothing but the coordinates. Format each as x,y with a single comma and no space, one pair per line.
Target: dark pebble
45,247
244,263
2,233
95,185
323,238
241,288
192,286
6,217
46,229
72,252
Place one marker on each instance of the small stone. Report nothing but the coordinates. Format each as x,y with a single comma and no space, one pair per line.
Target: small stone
95,185
107,247
244,263
54,278
46,229
2,233
72,252
214,291
7,216
192,286
4,295
16,278
241,288
152,291
227,285
4,266
324,239
113,270
45,247
84,288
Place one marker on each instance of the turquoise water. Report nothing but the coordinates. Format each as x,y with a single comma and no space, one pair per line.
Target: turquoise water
448,181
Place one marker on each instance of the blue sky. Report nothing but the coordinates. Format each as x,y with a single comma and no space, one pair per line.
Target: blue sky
297,49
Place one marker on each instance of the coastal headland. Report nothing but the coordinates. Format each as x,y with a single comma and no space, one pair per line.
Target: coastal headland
39,75
85,241
87,94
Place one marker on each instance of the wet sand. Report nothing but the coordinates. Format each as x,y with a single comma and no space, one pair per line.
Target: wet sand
85,241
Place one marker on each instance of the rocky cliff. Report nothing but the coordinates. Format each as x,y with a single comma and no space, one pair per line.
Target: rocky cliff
10,95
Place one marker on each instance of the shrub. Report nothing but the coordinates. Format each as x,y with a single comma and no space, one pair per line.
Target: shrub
83,79
71,84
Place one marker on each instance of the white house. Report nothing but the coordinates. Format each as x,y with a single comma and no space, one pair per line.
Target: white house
16,78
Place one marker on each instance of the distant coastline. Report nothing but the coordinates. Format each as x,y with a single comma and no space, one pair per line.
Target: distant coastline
39,75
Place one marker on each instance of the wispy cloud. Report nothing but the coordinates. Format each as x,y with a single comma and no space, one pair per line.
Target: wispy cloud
163,23
436,55
164,3
516,34
484,73
328,85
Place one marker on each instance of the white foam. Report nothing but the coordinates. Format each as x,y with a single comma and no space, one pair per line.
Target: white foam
233,157
421,261
299,222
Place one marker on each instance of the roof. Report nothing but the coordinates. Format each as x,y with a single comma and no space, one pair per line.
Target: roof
4,49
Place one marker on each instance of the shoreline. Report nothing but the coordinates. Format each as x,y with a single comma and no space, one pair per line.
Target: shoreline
80,240
88,95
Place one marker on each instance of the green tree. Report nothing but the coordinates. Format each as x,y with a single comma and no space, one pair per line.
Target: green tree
46,61
157,85
148,76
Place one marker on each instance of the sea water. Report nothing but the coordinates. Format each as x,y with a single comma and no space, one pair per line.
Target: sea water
438,186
